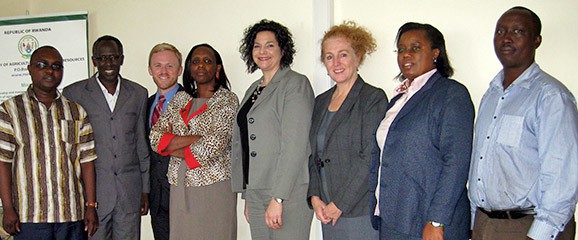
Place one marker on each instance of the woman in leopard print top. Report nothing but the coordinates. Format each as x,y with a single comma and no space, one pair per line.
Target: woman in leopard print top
195,130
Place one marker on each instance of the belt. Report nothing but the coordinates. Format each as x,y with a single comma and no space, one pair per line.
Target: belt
509,214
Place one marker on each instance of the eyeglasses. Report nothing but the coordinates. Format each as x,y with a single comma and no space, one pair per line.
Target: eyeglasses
105,58
43,65
414,49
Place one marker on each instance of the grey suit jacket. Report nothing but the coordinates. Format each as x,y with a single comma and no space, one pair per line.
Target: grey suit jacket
425,161
279,120
122,167
346,155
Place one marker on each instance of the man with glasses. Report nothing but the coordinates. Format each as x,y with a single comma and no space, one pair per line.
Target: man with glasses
47,173
117,108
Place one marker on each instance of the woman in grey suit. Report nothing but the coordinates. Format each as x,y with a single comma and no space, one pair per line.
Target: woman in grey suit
422,154
344,120
270,143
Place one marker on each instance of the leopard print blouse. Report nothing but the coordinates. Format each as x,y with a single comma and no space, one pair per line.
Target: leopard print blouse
213,150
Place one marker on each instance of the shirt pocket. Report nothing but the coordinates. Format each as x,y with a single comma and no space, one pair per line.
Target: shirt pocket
70,131
511,130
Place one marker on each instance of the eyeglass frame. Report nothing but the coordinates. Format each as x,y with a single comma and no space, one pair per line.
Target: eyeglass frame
104,58
43,65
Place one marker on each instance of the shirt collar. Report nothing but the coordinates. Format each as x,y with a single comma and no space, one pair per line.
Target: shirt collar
168,95
31,94
416,84
524,80
104,90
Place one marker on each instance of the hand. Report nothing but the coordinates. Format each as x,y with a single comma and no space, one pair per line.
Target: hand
273,215
333,212
10,221
319,207
247,213
144,204
432,233
90,221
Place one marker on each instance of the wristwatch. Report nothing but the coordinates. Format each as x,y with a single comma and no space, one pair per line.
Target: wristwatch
279,200
436,224
91,204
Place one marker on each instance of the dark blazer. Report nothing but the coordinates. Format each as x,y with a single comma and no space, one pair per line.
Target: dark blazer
425,162
159,184
122,167
348,142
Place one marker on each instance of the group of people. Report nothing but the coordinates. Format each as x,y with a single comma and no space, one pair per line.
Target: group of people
365,166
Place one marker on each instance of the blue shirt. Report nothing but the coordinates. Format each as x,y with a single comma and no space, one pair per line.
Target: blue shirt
525,150
168,98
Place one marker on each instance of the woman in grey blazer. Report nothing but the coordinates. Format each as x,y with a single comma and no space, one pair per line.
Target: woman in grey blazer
344,119
270,137
421,157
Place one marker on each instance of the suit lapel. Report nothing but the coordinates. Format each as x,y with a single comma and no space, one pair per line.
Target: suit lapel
346,106
417,97
267,91
95,92
321,105
123,95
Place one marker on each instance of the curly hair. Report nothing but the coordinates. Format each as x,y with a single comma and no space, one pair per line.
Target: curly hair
188,81
282,35
360,38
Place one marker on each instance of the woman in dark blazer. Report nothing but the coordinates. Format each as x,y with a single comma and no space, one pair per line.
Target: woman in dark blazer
270,144
344,120
421,157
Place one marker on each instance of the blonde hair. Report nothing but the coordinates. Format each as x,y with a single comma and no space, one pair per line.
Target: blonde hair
165,47
360,38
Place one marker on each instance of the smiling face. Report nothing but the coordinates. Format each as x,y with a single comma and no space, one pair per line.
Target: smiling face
266,51
515,39
45,78
204,66
340,60
165,69
108,59
414,54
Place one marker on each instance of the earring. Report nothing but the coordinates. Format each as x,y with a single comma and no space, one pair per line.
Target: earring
435,60
217,75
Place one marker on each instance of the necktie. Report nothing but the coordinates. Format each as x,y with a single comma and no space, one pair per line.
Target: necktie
158,110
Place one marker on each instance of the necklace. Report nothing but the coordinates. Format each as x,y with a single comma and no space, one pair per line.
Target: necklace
256,93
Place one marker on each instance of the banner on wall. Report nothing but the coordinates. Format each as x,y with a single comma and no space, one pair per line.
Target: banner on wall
20,36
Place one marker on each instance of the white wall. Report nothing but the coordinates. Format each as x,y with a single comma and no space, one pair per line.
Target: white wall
467,25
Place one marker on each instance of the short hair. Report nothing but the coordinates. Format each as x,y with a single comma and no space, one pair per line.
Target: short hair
104,39
45,47
165,47
360,38
188,81
535,18
437,41
282,35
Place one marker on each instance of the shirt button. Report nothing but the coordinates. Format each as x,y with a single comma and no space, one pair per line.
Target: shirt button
495,117
481,157
111,118
502,98
251,120
113,137
253,154
252,137
482,200
479,179
488,137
